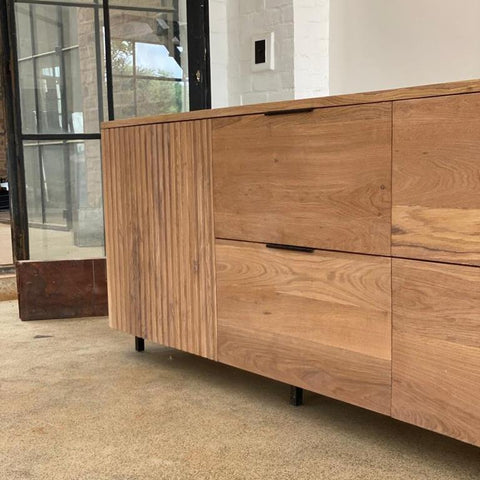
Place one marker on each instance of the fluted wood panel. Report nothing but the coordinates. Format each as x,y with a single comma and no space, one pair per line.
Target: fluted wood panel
159,234
317,320
436,347
436,179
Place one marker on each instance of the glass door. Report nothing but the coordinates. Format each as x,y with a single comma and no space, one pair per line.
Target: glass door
81,62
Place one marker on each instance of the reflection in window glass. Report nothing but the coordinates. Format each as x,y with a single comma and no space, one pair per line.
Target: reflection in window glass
47,28
28,97
153,95
64,199
62,84
150,74
24,42
59,68
33,183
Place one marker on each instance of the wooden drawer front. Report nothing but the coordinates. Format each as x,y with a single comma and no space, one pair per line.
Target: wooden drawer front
436,179
436,347
319,179
315,320
159,234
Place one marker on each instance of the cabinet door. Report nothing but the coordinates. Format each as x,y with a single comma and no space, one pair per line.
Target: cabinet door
436,179
159,233
436,347
316,320
320,179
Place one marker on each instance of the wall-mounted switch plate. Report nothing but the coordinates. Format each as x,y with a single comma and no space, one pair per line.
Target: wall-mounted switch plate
263,52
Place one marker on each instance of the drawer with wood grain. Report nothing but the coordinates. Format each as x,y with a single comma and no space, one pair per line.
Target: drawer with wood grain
320,178
436,179
318,320
436,347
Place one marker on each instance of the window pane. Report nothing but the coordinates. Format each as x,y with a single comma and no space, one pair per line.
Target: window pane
49,94
149,47
54,164
164,96
24,42
158,5
46,28
64,199
33,183
27,96
124,102
60,68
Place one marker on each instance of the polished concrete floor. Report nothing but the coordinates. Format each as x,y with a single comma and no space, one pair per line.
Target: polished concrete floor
77,402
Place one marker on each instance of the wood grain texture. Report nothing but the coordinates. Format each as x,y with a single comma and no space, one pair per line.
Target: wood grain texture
159,234
422,91
436,347
319,179
436,179
316,320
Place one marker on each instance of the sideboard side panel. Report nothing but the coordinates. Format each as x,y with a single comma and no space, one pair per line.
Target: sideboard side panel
116,199
159,234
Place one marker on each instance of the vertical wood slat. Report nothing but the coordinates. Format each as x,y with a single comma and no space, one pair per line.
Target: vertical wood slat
159,233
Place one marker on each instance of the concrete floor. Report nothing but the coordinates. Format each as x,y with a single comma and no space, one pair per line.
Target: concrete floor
77,402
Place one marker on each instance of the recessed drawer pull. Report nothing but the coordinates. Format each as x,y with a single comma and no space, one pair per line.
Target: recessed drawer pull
295,248
286,112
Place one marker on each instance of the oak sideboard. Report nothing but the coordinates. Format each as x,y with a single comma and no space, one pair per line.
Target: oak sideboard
332,244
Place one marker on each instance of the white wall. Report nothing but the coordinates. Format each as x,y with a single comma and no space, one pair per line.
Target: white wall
311,48
301,49
327,47
219,65
379,44
232,26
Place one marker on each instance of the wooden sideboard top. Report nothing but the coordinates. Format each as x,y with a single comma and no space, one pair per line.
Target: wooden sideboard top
435,90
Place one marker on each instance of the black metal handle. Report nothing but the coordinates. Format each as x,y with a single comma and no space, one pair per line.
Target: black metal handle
295,248
286,112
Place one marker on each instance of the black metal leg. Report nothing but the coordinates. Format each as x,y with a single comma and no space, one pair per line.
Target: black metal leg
139,344
296,396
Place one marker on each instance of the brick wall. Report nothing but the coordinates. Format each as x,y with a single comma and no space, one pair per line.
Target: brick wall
301,49
311,47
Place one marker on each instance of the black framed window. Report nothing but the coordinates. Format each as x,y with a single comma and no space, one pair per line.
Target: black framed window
78,63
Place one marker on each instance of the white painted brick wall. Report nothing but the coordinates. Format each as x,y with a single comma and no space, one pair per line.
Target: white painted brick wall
219,52
300,30
311,42
258,17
